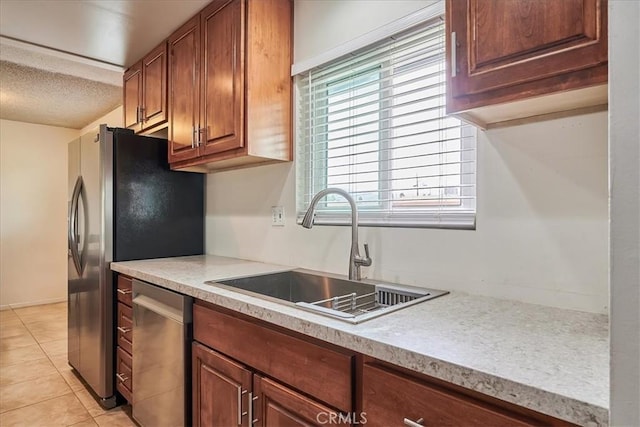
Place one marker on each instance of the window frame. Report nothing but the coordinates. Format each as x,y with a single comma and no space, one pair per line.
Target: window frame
462,218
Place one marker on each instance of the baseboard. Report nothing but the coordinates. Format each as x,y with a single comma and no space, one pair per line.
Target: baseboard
4,307
32,303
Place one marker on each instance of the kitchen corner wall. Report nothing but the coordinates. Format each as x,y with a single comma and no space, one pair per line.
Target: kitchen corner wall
33,213
33,210
542,221
113,119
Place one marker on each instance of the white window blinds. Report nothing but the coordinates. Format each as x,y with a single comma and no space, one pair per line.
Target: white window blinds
374,124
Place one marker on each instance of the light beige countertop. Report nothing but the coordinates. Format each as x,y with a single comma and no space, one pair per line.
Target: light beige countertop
546,359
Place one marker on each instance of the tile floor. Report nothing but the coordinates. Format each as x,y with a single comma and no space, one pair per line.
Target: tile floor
37,386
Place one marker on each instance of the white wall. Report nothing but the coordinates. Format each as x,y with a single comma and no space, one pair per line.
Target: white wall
541,230
113,118
33,213
338,21
624,94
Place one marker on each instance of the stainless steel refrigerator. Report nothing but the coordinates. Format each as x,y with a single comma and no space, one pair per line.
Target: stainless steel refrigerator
125,204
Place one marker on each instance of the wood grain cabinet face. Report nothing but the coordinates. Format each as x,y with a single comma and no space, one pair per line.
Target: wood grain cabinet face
154,92
124,378
315,370
278,406
230,86
226,393
124,338
390,398
220,389
222,113
132,83
508,50
184,91
145,91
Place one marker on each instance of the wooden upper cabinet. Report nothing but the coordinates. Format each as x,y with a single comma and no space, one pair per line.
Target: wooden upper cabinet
132,83
184,91
154,87
145,91
507,51
222,113
242,83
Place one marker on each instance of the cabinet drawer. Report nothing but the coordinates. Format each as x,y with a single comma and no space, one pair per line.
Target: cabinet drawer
280,406
125,325
390,398
123,373
124,289
318,371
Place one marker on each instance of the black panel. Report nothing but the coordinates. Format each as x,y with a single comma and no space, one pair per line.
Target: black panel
157,212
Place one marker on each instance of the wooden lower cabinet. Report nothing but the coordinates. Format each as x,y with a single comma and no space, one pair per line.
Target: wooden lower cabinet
220,389
315,369
278,405
226,393
124,339
393,398
124,379
250,373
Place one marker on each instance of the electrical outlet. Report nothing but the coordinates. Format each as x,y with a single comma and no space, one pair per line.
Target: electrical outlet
277,216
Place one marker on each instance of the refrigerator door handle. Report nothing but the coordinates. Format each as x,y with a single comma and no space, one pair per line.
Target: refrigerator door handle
73,225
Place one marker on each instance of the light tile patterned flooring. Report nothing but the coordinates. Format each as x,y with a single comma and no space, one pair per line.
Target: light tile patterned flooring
37,386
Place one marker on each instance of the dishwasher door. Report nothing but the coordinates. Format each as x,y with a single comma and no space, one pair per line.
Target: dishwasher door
161,356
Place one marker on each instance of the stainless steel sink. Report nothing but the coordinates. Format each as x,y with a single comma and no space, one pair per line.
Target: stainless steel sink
331,295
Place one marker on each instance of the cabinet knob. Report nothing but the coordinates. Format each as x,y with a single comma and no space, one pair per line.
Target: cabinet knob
122,378
124,330
123,291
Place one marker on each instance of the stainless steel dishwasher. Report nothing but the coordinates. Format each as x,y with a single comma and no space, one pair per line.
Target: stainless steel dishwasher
162,322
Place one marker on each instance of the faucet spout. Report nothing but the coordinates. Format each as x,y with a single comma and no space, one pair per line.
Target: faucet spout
355,260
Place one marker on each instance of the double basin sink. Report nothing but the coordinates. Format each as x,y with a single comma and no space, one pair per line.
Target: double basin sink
329,295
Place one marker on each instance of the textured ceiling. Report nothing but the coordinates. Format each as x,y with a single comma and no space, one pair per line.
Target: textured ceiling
37,96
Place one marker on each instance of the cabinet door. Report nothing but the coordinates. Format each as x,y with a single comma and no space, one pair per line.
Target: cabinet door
277,406
132,96
391,399
154,91
184,91
503,43
222,113
220,389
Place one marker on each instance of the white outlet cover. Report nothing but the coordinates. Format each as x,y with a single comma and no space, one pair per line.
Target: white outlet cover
277,216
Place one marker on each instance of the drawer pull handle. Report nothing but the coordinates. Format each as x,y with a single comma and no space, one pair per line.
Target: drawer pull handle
454,61
124,291
122,378
411,423
124,330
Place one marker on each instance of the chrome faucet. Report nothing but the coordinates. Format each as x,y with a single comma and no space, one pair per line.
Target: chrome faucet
355,260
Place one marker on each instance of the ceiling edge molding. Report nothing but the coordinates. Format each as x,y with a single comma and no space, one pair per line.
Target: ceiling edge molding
43,58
